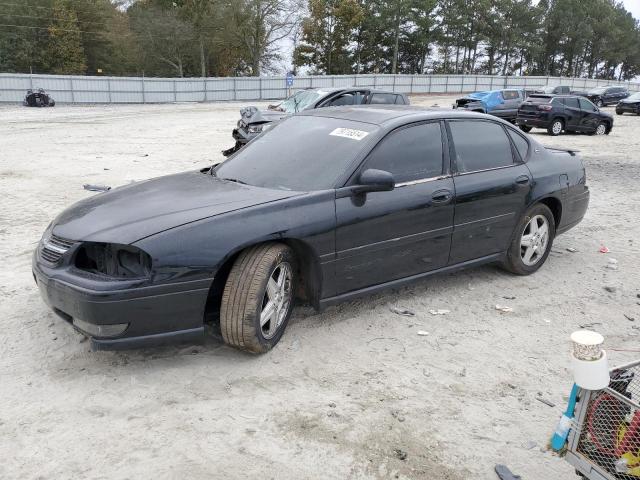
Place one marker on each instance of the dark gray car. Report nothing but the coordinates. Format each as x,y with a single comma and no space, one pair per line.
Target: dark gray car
253,120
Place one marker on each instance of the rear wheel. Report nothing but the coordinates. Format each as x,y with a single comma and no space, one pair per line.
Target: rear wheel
556,127
601,129
532,241
258,297
525,128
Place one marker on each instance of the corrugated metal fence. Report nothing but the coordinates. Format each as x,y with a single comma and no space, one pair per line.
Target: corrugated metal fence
80,89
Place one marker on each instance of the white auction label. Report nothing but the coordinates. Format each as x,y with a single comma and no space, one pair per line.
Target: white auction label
349,133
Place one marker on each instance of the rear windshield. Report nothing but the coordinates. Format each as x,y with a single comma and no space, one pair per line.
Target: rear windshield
301,153
634,97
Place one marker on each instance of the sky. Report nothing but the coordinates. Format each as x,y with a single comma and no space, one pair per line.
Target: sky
633,6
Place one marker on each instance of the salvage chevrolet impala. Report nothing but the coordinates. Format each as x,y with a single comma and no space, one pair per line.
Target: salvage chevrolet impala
327,205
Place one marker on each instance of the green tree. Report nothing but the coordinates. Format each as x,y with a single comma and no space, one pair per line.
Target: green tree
65,54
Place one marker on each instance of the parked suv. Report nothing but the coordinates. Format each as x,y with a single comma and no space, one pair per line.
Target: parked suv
563,112
630,104
554,90
501,103
253,120
603,96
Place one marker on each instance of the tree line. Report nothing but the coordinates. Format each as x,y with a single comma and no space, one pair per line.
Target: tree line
190,38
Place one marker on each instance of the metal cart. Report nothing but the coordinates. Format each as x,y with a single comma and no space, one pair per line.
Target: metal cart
604,443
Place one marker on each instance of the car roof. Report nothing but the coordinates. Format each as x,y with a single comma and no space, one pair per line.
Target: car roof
384,114
351,89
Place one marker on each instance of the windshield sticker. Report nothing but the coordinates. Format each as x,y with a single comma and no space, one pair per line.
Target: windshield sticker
349,133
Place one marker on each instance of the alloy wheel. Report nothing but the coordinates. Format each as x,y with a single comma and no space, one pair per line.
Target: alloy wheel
277,300
534,240
557,127
601,130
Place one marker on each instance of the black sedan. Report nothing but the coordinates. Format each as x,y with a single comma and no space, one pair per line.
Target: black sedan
603,96
631,104
328,205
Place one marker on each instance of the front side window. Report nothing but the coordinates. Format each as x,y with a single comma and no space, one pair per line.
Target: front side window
300,101
510,94
410,153
480,145
302,153
383,98
587,106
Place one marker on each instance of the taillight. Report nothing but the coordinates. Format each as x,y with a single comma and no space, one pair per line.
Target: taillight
545,107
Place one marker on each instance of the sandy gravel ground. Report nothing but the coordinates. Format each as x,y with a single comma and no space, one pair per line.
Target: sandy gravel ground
347,393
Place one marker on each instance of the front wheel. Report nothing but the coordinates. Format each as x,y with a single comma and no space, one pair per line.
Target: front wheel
601,129
525,128
258,297
532,241
599,103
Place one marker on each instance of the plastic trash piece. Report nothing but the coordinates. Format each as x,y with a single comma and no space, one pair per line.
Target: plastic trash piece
402,311
603,249
505,474
96,188
439,311
504,309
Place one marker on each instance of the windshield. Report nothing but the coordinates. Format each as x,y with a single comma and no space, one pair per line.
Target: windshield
302,153
635,97
598,91
299,101
548,89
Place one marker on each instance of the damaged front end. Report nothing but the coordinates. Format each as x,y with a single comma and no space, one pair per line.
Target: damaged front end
251,124
472,104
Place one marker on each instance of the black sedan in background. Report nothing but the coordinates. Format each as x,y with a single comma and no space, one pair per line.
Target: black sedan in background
327,205
253,120
558,113
631,104
603,96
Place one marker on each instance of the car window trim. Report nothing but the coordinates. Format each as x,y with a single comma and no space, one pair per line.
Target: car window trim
446,160
452,151
514,148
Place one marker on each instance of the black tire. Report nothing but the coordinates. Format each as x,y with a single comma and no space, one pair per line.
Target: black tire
525,128
598,129
618,112
513,261
245,293
552,128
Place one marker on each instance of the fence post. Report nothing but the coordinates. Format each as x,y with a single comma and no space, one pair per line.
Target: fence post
175,90
411,86
333,81
144,99
394,83
204,88
235,89
475,86
355,80
491,82
109,88
260,87
73,97
430,83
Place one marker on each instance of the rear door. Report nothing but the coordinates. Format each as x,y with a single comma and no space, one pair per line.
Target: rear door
492,188
573,114
385,236
377,98
511,100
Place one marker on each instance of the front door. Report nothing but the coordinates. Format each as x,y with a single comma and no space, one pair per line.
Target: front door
573,113
492,189
385,236
590,117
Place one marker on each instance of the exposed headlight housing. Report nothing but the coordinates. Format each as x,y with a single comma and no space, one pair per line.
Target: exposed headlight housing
113,260
255,128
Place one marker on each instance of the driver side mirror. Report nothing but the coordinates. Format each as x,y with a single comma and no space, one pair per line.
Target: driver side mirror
373,180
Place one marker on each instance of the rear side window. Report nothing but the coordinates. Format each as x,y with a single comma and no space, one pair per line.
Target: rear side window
411,153
571,102
400,100
480,145
510,94
522,146
383,98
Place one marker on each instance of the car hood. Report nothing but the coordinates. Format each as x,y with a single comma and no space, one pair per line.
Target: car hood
251,115
130,213
627,100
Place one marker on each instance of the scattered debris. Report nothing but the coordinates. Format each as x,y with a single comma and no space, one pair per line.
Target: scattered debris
572,250
422,333
603,249
504,473
589,325
530,445
613,261
504,308
402,311
401,454
509,297
612,266
629,317
546,402
96,188
332,404
610,288
440,311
